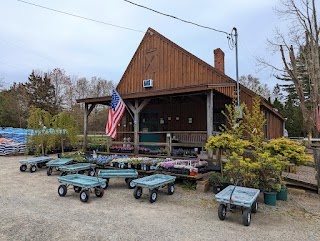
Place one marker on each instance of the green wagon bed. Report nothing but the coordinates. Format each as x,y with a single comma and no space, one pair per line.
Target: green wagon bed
78,168
153,182
81,184
128,174
57,163
34,163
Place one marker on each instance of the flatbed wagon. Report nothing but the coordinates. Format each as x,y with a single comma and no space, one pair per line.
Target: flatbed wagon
235,196
78,168
57,163
34,163
81,184
128,174
153,183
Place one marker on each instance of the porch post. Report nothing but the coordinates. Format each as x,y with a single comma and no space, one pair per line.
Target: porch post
87,112
136,127
136,109
210,117
85,127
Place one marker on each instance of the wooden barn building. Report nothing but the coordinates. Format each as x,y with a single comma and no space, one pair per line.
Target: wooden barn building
175,98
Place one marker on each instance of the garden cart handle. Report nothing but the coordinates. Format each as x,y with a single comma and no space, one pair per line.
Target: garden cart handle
235,185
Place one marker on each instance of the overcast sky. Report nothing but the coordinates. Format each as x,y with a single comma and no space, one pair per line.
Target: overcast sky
36,38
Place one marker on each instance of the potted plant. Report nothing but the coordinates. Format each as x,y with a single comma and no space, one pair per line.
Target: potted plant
270,176
282,194
193,171
217,181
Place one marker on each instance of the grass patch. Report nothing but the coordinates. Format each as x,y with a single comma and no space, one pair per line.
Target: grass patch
189,185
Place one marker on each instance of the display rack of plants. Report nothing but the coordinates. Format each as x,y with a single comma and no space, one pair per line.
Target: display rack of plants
202,169
177,152
121,149
145,167
185,172
143,150
115,150
114,164
213,168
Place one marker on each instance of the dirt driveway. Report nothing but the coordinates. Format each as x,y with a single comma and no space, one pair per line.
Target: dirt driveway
31,209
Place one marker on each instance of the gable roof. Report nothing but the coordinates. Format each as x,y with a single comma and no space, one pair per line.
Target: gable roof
174,70
169,66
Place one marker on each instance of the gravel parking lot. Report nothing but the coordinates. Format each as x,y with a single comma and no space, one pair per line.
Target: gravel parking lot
31,209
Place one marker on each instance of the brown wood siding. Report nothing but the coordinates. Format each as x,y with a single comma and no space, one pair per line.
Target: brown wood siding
125,125
184,111
168,65
275,126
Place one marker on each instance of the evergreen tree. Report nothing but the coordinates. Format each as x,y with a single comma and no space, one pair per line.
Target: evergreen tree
41,93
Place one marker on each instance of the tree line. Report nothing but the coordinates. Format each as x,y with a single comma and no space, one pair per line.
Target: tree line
53,91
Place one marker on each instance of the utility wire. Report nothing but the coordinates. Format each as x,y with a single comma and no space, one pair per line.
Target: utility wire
182,20
78,16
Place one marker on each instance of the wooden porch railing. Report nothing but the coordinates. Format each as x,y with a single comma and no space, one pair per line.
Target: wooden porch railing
173,139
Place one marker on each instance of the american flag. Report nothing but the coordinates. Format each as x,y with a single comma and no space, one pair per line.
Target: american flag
116,111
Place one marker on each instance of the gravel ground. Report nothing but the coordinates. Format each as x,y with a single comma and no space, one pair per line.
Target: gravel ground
31,209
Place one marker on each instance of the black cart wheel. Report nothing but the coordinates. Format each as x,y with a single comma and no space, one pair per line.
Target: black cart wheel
77,189
254,207
49,171
39,165
137,193
62,190
170,188
63,173
131,184
222,211
246,217
84,196
91,172
153,195
23,168
126,180
33,168
99,192
105,186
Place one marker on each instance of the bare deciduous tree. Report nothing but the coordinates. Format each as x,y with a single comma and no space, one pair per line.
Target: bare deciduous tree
302,35
254,84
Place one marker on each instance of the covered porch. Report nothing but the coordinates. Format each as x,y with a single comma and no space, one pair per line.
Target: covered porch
169,124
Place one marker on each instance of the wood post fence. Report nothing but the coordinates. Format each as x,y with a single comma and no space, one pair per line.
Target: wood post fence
316,156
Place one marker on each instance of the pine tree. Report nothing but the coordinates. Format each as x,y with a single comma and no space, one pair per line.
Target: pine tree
41,93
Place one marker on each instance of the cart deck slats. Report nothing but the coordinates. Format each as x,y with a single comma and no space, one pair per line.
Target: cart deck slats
77,167
128,173
241,196
38,159
82,180
154,181
59,162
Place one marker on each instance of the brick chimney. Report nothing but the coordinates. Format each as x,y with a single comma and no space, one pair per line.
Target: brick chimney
219,59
